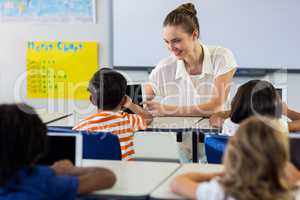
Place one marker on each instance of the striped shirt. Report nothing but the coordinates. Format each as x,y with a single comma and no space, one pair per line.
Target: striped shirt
120,123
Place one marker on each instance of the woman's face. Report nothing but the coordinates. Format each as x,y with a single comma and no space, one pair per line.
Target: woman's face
178,41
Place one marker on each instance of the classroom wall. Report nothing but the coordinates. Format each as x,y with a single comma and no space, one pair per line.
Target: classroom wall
13,38
256,31
12,65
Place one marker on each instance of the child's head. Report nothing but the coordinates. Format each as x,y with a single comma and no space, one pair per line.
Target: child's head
255,159
255,97
107,88
23,138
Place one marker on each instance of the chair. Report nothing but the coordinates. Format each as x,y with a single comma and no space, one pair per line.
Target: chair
101,145
95,145
214,147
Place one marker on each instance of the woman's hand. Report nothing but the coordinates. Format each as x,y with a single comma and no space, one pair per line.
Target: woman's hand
155,108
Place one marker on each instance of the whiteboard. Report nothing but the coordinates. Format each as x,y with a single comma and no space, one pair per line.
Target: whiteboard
261,33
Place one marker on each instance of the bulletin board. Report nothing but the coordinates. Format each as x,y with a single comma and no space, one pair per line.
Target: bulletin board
60,69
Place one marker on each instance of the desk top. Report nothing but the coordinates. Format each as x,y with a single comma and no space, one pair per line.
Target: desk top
46,117
159,124
164,190
135,179
173,123
71,120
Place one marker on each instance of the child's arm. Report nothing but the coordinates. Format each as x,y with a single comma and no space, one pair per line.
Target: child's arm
186,184
294,125
293,174
90,178
291,114
138,110
217,119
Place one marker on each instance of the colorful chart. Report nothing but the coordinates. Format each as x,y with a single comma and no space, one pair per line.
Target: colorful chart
60,69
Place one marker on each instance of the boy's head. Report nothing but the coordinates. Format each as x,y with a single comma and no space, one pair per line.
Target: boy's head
23,139
107,88
256,97
256,157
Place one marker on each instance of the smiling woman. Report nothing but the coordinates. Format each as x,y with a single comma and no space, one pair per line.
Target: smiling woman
195,80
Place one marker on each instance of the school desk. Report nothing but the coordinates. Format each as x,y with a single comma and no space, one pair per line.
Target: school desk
164,192
48,117
135,179
179,125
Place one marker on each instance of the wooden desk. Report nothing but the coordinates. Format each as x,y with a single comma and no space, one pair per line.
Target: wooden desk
135,180
164,190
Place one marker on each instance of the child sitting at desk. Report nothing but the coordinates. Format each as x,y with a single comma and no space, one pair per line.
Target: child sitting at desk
254,97
255,167
23,141
108,88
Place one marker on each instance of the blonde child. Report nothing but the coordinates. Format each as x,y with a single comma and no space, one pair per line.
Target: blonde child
255,167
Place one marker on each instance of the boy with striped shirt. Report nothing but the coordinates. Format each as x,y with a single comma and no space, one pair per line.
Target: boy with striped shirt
108,88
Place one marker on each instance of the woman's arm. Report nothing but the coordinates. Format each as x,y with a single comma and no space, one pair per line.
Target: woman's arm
186,184
138,110
149,92
221,88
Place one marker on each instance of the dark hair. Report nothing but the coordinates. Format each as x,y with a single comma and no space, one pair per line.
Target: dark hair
107,88
255,97
23,139
185,16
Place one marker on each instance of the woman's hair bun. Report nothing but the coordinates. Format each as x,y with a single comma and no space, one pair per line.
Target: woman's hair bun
188,9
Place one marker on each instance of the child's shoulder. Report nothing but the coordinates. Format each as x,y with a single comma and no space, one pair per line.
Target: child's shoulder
211,190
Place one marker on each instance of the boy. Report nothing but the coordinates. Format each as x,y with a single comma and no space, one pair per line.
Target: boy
108,88
23,141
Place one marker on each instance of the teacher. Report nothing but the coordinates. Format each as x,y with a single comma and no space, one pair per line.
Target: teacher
195,79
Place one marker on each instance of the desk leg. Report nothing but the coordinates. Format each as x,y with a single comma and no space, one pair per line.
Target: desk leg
179,136
195,146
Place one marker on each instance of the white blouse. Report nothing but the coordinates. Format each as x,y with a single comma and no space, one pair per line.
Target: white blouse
173,84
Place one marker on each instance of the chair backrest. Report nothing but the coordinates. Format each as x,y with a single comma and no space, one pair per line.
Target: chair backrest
294,140
101,145
215,147
96,145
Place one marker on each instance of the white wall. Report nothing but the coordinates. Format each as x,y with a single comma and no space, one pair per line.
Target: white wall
13,53
262,34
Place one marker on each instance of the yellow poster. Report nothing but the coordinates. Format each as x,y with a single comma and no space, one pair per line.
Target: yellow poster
60,69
